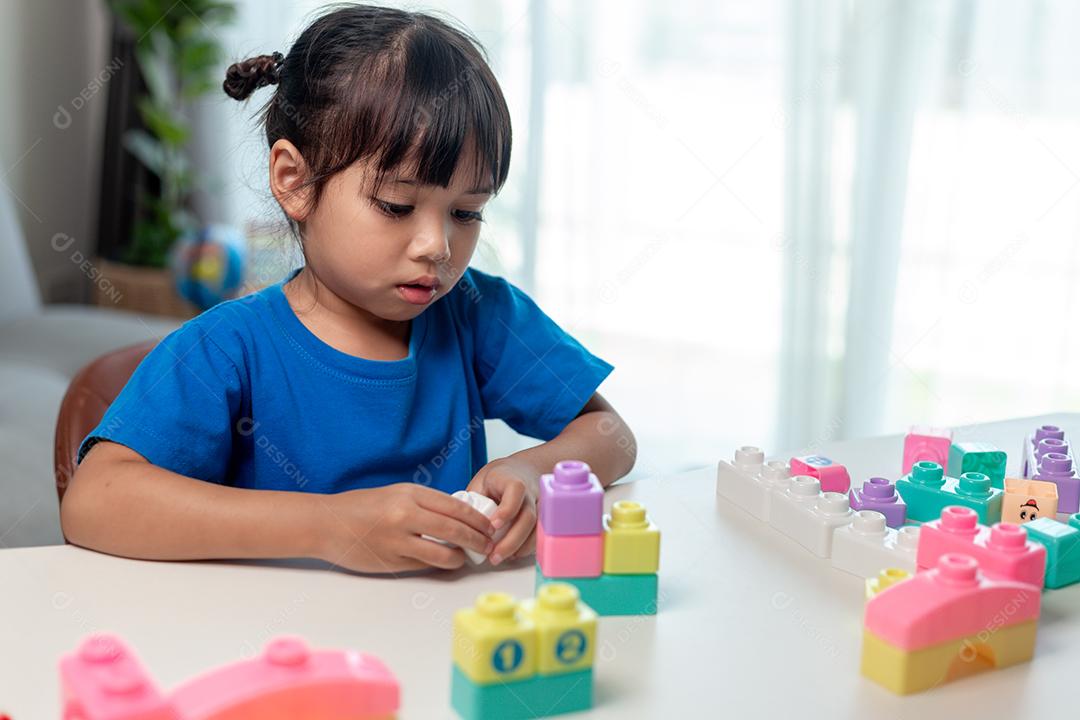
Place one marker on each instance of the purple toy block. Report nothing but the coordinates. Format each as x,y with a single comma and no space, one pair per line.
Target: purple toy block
571,500
1047,456
879,494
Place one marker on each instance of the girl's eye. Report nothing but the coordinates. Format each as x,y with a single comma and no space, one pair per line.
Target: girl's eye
392,209
467,217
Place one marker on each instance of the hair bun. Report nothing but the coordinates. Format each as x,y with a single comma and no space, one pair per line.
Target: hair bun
247,76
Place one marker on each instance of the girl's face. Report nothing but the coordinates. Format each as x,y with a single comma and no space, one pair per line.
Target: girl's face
392,252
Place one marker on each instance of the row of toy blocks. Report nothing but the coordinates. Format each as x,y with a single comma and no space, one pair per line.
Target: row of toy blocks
1047,456
1062,543
978,456
867,545
524,648
922,631
629,545
927,491
926,443
1002,551
103,680
879,494
611,595
749,481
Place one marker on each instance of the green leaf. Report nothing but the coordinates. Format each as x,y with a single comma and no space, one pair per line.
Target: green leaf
147,149
170,128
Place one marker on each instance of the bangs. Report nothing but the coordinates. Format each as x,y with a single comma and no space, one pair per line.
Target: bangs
418,105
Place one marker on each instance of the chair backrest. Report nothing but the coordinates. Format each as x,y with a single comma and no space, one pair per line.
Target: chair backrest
88,396
19,294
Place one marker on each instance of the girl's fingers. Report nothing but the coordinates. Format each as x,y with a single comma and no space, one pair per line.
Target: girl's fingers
433,554
529,546
516,536
451,507
451,530
511,495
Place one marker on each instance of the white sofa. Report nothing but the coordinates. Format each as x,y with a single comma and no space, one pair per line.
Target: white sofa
41,348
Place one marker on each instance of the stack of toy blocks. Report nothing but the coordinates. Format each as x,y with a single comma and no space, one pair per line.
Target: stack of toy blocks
104,680
523,660
1047,456
808,516
611,560
750,482
1062,543
1003,551
833,476
927,491
879,494
926,443
867,546
946,623
981,457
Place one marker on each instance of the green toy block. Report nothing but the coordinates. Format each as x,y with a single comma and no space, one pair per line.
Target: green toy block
613,594
980,457
534,697
1062,548
927,491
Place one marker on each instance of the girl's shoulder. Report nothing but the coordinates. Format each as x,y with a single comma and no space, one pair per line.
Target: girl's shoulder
233,326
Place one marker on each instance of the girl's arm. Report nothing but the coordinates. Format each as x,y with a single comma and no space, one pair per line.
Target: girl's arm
120,503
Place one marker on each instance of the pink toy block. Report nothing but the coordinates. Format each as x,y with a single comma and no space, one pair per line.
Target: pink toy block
1002,551
569,556
571,500
927,443
950,601
834,477
104,681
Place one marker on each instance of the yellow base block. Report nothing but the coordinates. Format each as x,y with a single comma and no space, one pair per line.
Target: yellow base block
906,672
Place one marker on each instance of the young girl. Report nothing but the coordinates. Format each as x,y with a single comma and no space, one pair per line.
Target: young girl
331,415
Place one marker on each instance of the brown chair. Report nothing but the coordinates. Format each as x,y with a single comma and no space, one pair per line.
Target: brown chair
88,396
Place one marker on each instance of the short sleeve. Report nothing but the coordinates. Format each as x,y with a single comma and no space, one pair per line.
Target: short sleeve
177,410
531,373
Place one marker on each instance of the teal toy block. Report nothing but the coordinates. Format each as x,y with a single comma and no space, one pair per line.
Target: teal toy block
613,594
1062,548
535,697
927,491
980,457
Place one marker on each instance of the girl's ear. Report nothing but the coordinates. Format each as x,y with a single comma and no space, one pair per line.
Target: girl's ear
288,171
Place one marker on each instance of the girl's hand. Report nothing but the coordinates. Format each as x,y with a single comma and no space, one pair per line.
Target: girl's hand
513,485
378,530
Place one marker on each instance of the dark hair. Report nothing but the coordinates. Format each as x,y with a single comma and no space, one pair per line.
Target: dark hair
381,84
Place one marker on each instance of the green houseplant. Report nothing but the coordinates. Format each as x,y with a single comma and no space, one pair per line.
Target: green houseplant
179,57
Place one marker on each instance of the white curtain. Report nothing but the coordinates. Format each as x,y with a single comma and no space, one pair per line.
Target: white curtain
782,221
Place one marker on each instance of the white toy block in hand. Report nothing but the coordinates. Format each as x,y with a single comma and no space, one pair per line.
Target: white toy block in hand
747,480
809,516
487,507
867,546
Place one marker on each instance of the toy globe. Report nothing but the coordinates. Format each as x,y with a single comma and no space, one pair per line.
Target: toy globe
208,265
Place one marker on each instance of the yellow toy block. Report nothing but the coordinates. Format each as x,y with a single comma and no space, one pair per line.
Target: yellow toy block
1027,500
886,578
906,672
565,628
494,641
631,542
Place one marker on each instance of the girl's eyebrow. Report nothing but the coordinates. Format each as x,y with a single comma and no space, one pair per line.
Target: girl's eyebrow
484,190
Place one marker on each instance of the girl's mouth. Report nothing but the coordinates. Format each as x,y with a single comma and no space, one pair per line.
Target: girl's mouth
417,293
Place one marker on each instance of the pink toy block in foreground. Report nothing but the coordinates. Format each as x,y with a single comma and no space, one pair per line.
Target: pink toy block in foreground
952,600
834,477
569,556
1002,551
927,443
104,681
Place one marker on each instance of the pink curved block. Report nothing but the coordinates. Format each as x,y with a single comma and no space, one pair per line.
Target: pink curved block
833,476
290,681
103,680
953,600
1002,551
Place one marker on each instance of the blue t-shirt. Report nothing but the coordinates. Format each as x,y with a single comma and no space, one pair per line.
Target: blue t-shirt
245,395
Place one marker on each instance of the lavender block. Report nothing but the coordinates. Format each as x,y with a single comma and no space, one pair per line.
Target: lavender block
1047,456
879,494
571,500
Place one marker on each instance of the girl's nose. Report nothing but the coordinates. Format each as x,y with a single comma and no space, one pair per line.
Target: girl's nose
432,245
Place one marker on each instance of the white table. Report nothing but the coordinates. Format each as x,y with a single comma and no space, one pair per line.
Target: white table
750,624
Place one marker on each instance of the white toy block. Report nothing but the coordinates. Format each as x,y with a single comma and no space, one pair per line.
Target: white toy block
867,546
485,505
746,481
809,516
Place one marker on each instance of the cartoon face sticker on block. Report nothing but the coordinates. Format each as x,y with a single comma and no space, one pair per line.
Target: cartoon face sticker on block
1027,500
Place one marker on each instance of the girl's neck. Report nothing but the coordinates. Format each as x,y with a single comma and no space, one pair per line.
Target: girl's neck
342,325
